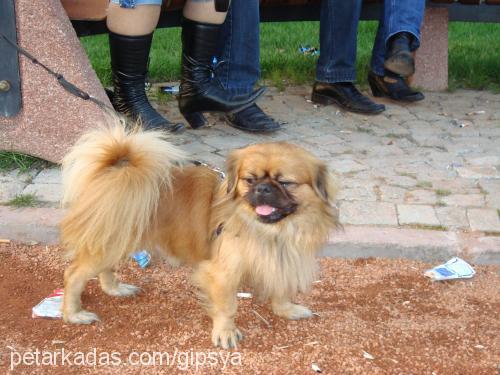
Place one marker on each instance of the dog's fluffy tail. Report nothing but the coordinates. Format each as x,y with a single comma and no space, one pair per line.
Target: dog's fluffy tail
112,181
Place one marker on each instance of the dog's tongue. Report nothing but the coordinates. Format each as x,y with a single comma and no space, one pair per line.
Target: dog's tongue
264,210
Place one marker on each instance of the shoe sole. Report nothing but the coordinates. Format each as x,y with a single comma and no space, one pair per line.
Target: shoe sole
327,100
234,125
380,93
402,64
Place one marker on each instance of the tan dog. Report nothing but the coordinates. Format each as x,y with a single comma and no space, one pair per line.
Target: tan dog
262,226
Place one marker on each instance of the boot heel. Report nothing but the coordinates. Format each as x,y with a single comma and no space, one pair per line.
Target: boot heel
195,119
376,91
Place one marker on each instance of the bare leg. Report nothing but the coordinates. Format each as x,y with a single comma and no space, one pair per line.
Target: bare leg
141,20
113,287
283,307
203,11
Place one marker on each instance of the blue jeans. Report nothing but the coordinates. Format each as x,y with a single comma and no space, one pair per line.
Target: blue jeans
398,16
338,33
338,36
240,42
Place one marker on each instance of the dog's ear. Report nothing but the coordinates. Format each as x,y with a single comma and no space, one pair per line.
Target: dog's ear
232,171
325,184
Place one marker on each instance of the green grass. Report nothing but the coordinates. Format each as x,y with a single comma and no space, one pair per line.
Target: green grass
424,184
474,54
13,160
442,192
24,200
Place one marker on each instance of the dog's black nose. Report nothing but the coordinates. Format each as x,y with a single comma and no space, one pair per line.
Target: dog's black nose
263,189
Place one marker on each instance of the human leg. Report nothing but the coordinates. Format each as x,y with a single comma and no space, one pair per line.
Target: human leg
201,89
392,59
131,33
336,70
241,69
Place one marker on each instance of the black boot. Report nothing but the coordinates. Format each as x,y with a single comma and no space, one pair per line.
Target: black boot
199,90
393,86
399,58
129,62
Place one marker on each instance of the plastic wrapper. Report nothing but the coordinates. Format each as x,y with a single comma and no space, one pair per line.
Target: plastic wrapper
455,268
50,307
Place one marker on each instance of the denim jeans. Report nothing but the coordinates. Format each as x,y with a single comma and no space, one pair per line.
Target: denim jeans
240,43
338,39
398,16
338,33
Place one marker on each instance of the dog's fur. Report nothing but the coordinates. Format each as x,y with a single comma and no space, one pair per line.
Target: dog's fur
125,190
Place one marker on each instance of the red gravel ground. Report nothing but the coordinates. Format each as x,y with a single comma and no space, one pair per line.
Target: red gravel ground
386,308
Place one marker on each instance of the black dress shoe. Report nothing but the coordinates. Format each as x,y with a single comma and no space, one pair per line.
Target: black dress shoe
399,58
393,86
345,95
252,119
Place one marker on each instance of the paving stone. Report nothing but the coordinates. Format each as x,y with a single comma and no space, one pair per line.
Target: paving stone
421,197
45,192
227,143
492,187
392,194
347,166
478,172
464,200
484,161
484,219
9,189
452,217
196,147
48,176
493,201
368,213
385,150
324,140
456,185
358,193
417,215
402,181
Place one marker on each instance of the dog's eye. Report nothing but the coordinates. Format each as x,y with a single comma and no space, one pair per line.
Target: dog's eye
286,184
249,180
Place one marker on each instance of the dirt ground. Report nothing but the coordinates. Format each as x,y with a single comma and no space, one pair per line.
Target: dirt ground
375,316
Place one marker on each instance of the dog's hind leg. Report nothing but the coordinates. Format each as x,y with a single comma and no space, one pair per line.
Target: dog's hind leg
113,287
75,279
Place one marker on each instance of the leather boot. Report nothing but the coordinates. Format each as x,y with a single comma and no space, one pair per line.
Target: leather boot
200,90
399,58
393,86
129,62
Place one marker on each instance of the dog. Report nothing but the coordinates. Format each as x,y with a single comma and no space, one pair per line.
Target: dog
261,226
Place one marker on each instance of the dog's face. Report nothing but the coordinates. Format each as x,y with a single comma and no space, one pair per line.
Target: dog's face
275,181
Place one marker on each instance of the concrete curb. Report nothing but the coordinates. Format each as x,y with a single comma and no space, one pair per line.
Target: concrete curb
426,245
41,225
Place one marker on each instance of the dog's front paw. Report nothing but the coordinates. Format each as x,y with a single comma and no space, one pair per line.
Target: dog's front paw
81,317
292,311
226,338
122,290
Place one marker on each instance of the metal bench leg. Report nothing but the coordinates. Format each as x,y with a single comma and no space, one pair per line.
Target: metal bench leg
10,81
